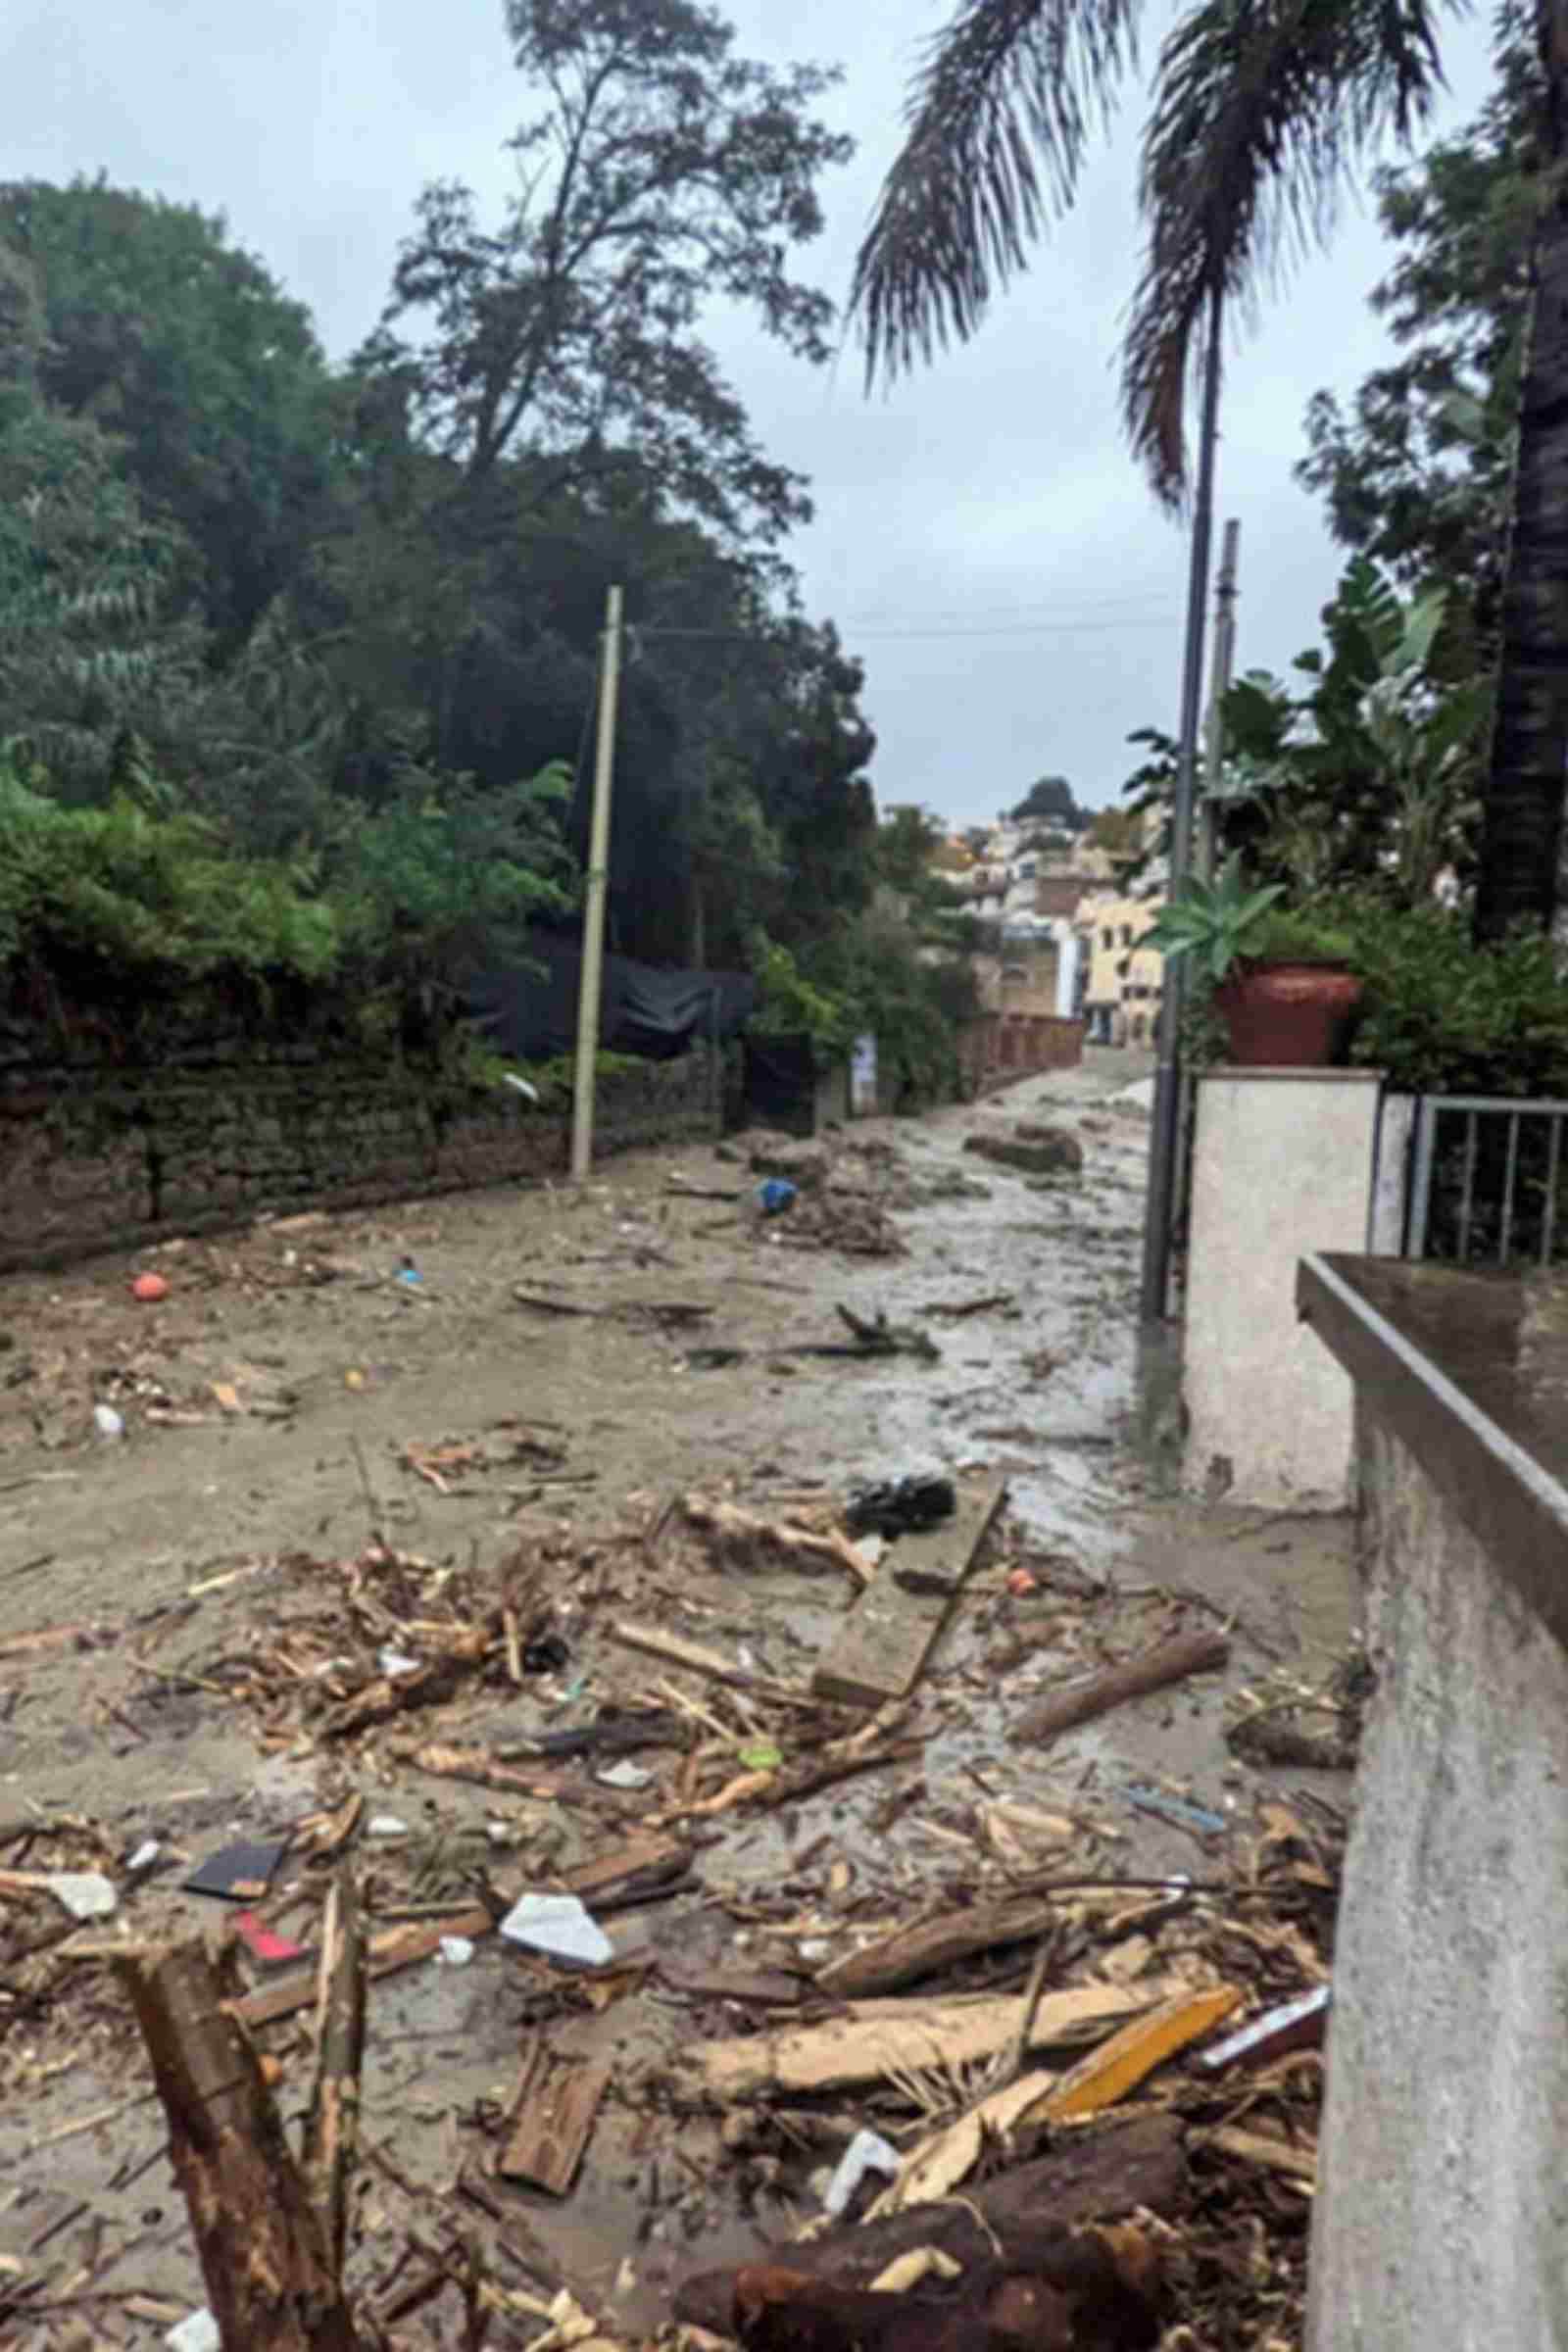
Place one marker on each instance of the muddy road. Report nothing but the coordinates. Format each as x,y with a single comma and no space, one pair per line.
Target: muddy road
562,1366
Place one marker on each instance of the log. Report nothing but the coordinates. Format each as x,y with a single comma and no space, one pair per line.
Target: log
1168,1662
907,1954
267,2261
873,2039
1295,2159
485,1771
1096,2174
333,2125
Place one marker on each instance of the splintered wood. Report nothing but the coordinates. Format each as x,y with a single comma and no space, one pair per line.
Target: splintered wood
557,2106
894,1627
877,2038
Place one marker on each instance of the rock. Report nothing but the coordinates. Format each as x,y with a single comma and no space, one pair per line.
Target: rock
1036,1150
803,1163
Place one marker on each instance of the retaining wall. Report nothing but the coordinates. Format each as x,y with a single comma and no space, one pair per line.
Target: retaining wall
99,1153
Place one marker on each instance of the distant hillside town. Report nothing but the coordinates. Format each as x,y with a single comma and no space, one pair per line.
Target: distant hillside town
1063,895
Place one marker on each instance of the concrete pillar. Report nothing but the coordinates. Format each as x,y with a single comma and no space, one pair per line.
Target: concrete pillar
1282,1167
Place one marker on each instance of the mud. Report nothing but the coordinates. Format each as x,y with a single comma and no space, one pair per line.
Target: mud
269,1403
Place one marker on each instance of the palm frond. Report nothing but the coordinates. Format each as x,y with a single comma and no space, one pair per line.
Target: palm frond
997,124
1263,110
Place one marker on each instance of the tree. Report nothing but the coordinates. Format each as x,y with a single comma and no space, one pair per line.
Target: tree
1050,799
1261,114
158,331
1416,471
661,171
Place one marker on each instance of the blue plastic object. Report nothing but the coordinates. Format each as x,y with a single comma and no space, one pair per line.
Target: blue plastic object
775,1196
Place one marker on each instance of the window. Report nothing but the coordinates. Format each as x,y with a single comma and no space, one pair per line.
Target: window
1107,939
1126,935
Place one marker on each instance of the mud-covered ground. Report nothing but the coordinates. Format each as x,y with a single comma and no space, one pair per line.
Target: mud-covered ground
293,1398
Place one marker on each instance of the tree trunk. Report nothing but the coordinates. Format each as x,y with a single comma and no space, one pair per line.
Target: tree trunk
265,2252
1522,813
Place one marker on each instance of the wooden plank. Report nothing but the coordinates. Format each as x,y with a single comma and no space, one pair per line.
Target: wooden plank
560,2105
906,1954
876,2039
892,1628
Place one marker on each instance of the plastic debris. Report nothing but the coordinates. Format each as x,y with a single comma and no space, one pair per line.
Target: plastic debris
394,1662
107,1422
240,1874
560,1925
1021,1581
624,1775
454,1951
868,2152
1294,2026
1176,1809
409,1275
149,1287
197,2334
85,1894
762,1757
354,1377
901,1506
520,1085
264,1941
547,1655
145,1855
774,1196
386,1824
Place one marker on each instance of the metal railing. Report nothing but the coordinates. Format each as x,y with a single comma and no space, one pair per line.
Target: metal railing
1485,1180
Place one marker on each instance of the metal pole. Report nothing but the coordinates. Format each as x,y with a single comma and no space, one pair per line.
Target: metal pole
1219,687
593,913
1168,1090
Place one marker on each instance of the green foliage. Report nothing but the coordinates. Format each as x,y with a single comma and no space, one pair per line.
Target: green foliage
1213,924
1443,1016
789,1004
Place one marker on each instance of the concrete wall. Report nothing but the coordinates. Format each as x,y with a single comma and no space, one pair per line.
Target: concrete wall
1442,2217
1282,1167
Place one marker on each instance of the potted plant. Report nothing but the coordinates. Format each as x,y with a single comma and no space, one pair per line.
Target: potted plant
1280,981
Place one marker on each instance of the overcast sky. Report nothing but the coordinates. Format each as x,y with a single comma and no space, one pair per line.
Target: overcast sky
982,538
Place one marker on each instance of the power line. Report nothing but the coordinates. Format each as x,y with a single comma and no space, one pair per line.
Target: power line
1026,628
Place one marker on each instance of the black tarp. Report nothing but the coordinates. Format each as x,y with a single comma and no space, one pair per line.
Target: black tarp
781,1083
532,1015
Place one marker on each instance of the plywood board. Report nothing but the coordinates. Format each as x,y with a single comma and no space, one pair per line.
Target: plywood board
892,1628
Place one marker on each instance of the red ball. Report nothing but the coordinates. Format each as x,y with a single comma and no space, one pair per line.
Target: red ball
149,1286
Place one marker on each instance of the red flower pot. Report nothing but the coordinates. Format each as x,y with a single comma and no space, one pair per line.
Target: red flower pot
1287,1015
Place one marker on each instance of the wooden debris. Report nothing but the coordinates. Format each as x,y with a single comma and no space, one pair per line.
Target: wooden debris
1262,2148
906,1954
395,1694
1168,1662
895,1625
558,2102
742,1536
1120,2064
486,1771
1094,2175
675,1650
332,2126
266,2253
873,2038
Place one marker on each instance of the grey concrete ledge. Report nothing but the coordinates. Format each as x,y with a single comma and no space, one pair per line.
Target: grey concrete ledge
1299,1073
1470,1371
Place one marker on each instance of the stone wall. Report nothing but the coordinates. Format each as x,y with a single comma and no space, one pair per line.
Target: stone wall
98,1154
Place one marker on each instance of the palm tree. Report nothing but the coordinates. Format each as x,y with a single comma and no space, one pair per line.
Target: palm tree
1262,112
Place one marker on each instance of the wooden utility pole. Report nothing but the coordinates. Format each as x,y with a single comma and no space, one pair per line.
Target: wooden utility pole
1219,687
589,987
